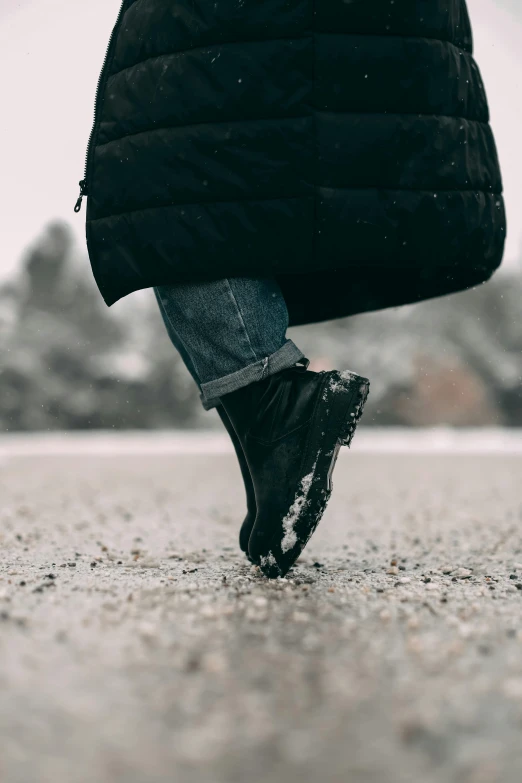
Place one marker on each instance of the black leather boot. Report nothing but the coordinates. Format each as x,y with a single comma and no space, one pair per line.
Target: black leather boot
291,426
248,523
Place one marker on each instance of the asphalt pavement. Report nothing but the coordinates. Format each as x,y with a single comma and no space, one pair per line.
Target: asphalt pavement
137,644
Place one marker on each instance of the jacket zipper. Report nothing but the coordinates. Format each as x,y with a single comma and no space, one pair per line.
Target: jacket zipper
101,81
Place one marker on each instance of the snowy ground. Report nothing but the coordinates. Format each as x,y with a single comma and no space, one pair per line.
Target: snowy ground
137,645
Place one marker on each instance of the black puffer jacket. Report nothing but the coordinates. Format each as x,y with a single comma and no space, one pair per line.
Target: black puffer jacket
342,146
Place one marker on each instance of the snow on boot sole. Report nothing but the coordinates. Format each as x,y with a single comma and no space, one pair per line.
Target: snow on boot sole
339,407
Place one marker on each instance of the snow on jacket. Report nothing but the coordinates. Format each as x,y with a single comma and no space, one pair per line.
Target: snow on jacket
342,146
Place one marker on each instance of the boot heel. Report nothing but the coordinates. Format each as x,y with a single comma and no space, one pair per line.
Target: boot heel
344,396
361,388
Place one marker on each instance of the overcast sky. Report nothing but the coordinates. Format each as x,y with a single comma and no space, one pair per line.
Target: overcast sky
50,56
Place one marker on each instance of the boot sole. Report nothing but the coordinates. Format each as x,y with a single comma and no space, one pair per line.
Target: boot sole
339,407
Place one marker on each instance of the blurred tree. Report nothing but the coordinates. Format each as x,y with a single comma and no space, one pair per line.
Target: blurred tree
70,362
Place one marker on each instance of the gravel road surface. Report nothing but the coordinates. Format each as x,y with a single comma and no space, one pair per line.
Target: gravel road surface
138,645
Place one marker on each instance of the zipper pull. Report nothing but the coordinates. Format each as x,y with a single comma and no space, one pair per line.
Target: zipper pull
83,192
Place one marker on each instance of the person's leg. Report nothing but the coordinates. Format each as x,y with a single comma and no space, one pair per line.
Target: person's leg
290,422
230,333
187,361
238,320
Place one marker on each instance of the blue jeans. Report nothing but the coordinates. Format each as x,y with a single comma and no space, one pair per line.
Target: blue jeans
228,332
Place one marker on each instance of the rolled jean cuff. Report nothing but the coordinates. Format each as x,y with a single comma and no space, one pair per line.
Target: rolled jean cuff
286,356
